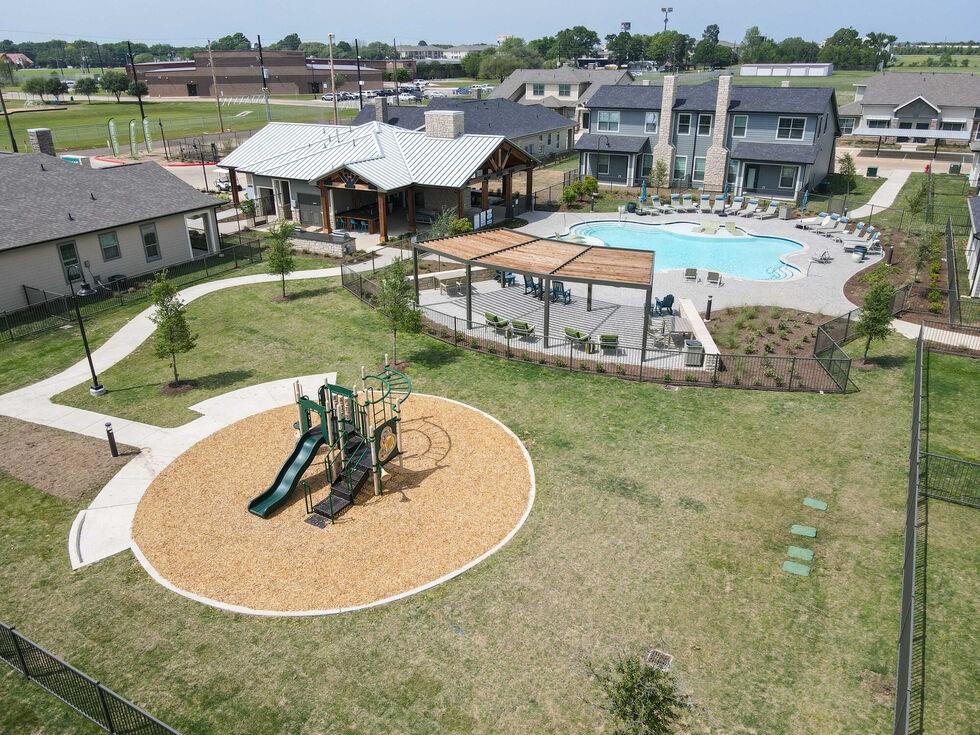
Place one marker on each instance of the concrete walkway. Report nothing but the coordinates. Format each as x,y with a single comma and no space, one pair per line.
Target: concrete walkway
104,528
885,196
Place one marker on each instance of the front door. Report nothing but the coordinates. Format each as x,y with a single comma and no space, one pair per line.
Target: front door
70,264
286,208
192,89
751,176
904,126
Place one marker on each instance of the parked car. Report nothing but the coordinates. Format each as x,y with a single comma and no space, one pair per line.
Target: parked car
407,97
432,93
327,97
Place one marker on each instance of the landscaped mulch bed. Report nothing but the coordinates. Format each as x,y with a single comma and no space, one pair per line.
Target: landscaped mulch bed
464,486
765,330
60,463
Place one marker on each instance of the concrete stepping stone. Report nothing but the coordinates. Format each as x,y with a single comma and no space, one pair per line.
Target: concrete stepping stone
814,503
800,570
800,530
797,552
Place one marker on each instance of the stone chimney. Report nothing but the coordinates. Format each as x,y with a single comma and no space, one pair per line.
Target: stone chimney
444,123
664,149
40,140
716,160
381,109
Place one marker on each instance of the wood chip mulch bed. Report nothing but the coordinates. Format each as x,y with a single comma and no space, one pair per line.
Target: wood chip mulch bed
464,486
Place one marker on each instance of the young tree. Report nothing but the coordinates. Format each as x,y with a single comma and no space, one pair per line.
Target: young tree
658,175
280,253
916,201
847,170
460,226
394,300
641,699
87,86
173,336
55,86
403,75
115,82
471,64
248,209
137,89
36,85
876,314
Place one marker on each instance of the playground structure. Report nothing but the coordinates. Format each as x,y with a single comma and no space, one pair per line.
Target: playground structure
360,429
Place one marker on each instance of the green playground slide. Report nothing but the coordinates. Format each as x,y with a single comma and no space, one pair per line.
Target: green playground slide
288,477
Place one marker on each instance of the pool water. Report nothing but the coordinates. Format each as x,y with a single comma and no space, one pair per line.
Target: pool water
676,245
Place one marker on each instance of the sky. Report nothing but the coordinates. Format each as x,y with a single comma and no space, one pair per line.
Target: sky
439,21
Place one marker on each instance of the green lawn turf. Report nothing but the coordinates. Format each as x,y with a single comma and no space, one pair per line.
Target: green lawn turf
954,405
83,125
904,61
950,200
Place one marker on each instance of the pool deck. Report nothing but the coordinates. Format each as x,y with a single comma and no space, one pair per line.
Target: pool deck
819,288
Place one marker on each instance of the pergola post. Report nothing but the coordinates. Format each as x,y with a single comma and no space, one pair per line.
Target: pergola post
528,186
233,180
588,297
325,208
383,215
508,195
469,296
646,323
415,270
411,209
546,288
485,194
460,211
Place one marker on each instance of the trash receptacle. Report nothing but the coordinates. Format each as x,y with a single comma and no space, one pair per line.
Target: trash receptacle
872,172
955,168
631,207
784,212
693,353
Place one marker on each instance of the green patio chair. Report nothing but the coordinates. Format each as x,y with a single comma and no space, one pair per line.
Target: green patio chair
495,321
522,329
580,338
609,343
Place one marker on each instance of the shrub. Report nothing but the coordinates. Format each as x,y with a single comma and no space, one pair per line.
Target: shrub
460,226
667,377
770,329
642,700
690,377
569,195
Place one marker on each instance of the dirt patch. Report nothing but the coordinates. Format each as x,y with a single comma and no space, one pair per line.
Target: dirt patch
171,389
464,486
59,463
765,330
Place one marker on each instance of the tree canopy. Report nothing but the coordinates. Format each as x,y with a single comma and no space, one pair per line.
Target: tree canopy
234,42
290,42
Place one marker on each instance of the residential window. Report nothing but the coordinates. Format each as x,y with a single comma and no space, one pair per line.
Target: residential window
787,177
740,124
609,121
110,246
732,175
537,90
947,125
151,245
684,123
791,128
646,165
680,166
878,123
650,122
847,125
549,138
602,164
564,90
704,124
698,174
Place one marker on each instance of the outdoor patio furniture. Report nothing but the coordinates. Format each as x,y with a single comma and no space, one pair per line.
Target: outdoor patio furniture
687,202
455,286
662,206
705,205
609,343
874,242
666,304
874,248
719,206
824,257
749,208
809,224
834,230
580,339
691,274
647,210
495,321
771,212
858,236
522,329
714,278
828,224
736,206
808,221
531,287
675,203
505,278
560,293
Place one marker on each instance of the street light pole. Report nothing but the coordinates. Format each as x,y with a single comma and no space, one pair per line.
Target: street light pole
333,83
360,82
97,388
136,81
666,11
10,129
204,169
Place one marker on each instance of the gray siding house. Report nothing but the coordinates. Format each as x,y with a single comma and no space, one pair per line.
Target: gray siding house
62,224
770,141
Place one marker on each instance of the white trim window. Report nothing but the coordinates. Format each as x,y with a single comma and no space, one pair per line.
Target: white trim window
602,164
791,128
684,123
151,244
847,125
740,124
698,173
958,126
732,176
608,121
651,121
879,123
680,167
787,177
109,244
704,124
564,90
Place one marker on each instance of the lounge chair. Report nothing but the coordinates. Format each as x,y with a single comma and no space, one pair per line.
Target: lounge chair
691,274
809,224
834,228
659,205
495,321
874,247
666,304
522,329
530,287
581,339
749,208
719,206
646,209
771,212
854,247
505,278
736,206
687,202
807,221
675,203
707,228
705,205
824,257
714,278
858,236
560,293
609,343
829,223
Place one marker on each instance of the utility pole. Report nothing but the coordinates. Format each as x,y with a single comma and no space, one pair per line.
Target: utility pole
666,11
136,81
214,88
360,84
265,82
333,82
98,48
10,129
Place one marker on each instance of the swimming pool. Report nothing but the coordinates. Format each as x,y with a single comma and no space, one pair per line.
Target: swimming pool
677,246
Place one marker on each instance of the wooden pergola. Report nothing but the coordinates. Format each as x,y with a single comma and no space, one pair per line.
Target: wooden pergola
550,260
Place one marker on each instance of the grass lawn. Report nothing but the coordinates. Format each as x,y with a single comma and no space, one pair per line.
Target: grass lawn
954,405
83,125
905,60
862,189
950,200
22,75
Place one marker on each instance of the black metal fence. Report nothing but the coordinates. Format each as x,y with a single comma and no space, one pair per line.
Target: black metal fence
46,310
665,362
85,695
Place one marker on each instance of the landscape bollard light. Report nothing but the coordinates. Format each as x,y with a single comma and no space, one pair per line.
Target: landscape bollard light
113,449
707,312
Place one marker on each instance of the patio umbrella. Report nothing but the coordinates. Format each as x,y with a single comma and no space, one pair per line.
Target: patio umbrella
643,190
806,198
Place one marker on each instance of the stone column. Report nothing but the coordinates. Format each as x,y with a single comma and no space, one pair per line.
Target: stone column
716,159
664,149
